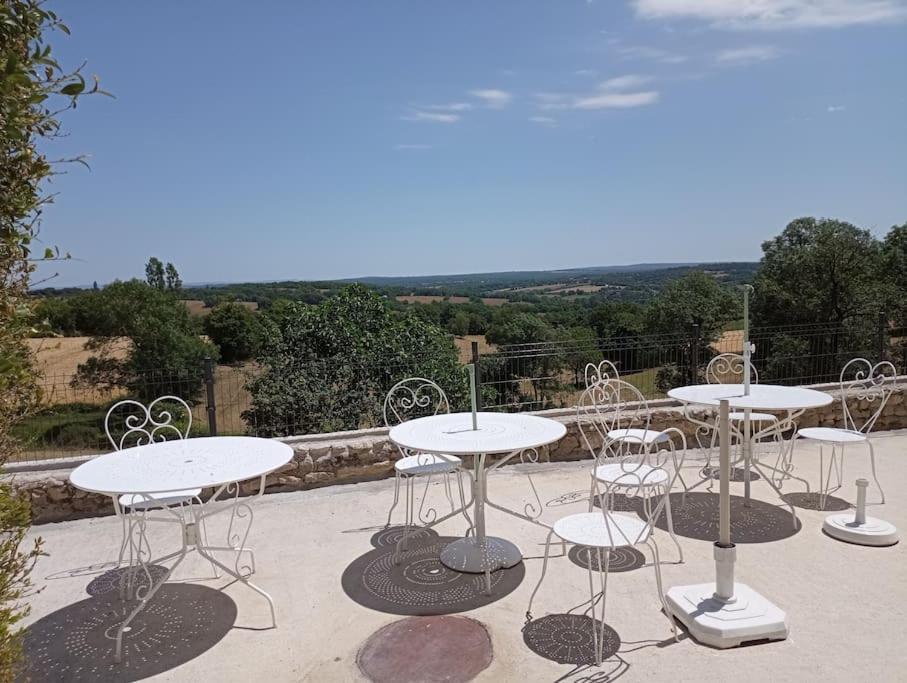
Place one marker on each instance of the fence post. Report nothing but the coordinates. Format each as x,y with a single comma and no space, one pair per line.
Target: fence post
883,323
694,354
475,361
209,391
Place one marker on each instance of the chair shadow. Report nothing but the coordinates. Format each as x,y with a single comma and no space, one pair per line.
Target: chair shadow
77,643
697,518
624,559
810,501
568,639
419,585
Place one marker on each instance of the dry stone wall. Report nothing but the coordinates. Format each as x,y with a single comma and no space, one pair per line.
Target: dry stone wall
347,457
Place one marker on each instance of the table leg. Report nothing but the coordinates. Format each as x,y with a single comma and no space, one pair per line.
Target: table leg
480,554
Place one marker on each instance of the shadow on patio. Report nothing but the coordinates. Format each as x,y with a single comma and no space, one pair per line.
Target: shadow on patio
76,643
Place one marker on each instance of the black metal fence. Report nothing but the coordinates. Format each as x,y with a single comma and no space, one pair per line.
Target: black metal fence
512,378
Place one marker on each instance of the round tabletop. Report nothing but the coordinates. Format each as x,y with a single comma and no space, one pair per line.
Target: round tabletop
452,434
181,464
761,396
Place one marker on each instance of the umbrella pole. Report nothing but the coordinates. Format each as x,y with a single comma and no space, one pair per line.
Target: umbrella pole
725,552
472,394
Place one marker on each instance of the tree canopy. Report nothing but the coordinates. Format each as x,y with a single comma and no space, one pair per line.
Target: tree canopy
328,367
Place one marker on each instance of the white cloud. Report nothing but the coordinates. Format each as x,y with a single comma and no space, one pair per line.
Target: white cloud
776,14
453,106
431,116
834,108
584,72
544,121
647,52
744,56
403,147
621,92
493,99
616,100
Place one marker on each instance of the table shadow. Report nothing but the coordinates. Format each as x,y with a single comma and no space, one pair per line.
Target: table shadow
697,518
77,643
109,581
419,585
810,501
390,535
737,474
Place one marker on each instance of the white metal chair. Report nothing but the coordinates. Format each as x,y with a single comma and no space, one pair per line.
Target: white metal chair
143,425
728,368
411,398
861,382
602,372
603,531
614,414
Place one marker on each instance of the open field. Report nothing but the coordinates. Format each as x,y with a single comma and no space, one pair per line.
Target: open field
197,307
426,299
559,287
464,346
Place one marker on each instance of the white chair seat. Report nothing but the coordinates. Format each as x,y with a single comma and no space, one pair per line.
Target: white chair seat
832,435
426,463
136,501
754,417
645,436
588,528
630,474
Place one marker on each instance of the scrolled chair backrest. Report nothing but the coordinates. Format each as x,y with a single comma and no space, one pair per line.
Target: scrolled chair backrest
641,473
414,397
142,425
604,371
606,406
862,381
728,366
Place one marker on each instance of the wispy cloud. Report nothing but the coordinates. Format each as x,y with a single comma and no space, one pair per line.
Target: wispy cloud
411,146
646,52
431,116
492,98
835,108
621,92
544,121
744,56
453,106
776,14
584,72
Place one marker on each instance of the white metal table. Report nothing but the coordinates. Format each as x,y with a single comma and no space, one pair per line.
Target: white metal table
214,462
497,433
791,401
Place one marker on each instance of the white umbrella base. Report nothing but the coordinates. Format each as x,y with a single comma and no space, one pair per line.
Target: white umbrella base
875,532
468,555
721,624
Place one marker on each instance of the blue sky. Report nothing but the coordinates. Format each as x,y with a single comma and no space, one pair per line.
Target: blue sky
323,139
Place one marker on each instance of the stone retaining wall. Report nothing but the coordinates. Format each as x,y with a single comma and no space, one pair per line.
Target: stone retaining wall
347,457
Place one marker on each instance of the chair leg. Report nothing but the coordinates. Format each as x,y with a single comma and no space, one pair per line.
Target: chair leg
592,492
448,492
542,577
670,519
204,537
125,541
396,498
598,625
661,595
872,462
409,504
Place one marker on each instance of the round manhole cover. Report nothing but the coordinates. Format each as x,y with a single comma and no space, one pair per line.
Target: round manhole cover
426,649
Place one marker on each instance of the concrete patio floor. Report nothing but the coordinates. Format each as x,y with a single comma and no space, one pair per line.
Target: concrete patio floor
847,604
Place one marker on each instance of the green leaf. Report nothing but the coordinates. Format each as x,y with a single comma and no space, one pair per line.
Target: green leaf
73,89
48,252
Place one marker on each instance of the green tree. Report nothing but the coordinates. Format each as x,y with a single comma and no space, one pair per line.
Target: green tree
697,298
518,328
235,330
894,254
164,353
579,347
817,271
34,91
328,367
172,278
154,273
